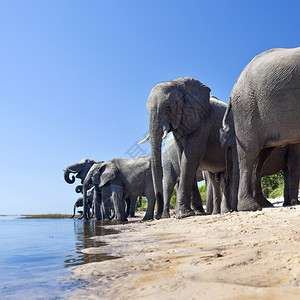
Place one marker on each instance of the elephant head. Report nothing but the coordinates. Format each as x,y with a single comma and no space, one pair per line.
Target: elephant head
78,203
79,188
180,106
81,168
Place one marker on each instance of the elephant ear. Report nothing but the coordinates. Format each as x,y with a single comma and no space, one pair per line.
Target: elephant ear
195,105
109,172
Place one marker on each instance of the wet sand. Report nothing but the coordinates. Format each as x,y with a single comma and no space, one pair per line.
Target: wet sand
240,255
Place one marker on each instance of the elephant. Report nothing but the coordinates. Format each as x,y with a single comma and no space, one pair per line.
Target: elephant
126,178
101,210
106,207
78,203
184,106
265,102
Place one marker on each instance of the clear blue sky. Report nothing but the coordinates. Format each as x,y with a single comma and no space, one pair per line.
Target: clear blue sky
75,77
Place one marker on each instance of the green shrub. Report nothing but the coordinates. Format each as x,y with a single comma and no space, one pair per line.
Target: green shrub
271,183
173,199
202,190
277,192
141,204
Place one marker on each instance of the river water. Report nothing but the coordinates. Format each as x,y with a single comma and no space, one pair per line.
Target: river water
36,255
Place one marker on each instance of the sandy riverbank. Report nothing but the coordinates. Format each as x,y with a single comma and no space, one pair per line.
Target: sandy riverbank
244,255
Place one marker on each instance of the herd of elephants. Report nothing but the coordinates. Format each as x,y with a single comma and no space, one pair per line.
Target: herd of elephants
230,146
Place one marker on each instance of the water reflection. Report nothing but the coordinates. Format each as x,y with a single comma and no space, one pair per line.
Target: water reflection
83,232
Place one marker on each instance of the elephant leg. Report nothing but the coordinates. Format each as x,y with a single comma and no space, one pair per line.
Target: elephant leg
128,210
119,203
293,189
132,206
97,204
183,201
150,195
209,193
226,194
194,149
256,179
292,175
196,201
168,191
86,207
107,204
247,160
216,190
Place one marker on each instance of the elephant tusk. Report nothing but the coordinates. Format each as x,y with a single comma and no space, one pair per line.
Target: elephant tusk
145,140
165,134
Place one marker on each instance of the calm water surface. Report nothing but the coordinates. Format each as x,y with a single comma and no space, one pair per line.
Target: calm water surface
36,254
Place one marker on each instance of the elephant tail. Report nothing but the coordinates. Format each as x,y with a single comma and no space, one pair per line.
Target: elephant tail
225,127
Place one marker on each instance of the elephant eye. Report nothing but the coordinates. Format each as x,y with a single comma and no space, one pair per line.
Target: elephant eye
168,106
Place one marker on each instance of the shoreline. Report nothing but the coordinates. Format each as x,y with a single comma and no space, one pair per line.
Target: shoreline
254,255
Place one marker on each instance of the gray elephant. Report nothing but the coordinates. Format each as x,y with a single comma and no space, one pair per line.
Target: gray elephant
106,207
265,102
101,210
79,201
184,107
126,178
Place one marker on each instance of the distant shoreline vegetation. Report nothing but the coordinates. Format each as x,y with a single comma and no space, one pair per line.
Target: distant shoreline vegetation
47,216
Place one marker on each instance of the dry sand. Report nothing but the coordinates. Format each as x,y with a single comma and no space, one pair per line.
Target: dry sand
244,255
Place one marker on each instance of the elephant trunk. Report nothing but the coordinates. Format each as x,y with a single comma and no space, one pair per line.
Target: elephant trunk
85,204
67,176
74,211
156,135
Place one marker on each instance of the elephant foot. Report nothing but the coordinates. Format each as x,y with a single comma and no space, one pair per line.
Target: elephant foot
199,212
263,202
147,218
224,209
248,204
184,213
292,202
165,215
158,216
295,202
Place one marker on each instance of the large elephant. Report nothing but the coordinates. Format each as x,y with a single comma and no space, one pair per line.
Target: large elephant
184,107
126,178
265,102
